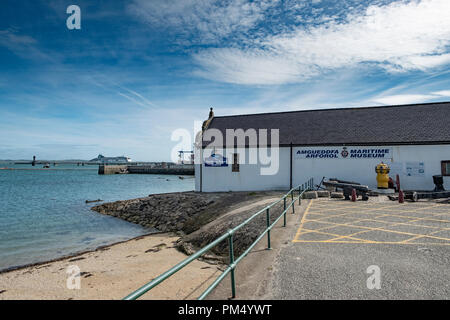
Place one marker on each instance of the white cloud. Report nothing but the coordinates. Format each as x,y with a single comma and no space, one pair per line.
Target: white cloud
208,20
249,67
9,38
442,93
23,45
400,99
137,98
399,37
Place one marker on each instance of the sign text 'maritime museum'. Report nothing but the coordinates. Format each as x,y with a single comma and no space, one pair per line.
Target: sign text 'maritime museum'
344,153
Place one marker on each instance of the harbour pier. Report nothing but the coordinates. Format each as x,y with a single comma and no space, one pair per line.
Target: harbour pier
174,169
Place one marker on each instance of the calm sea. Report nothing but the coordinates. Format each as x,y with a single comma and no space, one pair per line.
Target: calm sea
43,214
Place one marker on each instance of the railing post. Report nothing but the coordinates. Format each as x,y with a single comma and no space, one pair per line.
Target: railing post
292,202
233,282
284,210
268,231
299,196
232,263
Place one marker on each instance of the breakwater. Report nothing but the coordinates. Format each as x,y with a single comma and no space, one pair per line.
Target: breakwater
176,169
199,218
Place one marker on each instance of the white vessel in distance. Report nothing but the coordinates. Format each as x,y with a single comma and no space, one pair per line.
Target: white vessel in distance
103,160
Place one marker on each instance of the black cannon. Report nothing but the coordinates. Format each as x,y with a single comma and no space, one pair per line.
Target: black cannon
348,187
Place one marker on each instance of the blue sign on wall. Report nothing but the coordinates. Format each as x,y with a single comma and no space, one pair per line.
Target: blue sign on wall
216,160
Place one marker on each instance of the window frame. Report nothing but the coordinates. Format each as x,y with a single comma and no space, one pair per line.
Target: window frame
444,164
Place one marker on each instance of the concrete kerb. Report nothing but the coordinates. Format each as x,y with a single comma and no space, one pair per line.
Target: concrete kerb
310,195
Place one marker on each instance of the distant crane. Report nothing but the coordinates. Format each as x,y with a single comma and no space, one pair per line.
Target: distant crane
181,154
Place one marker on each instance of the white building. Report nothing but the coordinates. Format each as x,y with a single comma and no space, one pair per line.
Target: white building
414,140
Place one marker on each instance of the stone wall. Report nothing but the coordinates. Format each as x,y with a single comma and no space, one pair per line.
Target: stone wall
198,218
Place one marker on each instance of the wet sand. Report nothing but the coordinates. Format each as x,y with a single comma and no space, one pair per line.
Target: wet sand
112,272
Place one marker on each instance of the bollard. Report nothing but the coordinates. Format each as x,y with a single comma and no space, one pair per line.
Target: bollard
401,196
353,195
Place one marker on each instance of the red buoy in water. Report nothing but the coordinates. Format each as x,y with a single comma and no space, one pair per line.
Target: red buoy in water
353,195
401,197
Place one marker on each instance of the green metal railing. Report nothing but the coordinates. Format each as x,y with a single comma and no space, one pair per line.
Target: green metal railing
229,235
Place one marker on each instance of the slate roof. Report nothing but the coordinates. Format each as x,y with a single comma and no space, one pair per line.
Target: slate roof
427,123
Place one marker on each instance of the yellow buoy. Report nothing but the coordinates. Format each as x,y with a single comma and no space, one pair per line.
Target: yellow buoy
382,171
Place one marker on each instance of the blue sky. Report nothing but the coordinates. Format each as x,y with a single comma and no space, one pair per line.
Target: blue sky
138,70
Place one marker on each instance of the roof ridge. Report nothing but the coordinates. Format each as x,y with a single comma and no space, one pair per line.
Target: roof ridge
334,109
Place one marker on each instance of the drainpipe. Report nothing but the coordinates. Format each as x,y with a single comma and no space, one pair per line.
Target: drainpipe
290,169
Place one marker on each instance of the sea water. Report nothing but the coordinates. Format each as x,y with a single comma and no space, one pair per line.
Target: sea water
44,214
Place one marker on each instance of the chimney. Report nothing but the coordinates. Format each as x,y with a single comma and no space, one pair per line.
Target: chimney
207,122
211,113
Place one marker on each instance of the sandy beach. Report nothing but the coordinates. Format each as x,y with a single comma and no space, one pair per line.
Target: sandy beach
188,221
113,272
